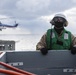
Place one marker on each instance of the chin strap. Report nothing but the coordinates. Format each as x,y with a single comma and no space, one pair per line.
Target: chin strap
59,27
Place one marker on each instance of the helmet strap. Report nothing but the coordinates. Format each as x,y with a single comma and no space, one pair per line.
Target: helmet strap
59,27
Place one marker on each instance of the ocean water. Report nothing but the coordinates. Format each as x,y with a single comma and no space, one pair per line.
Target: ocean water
24,42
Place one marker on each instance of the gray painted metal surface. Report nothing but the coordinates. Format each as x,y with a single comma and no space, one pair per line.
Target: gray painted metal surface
7,45
3,59
54,63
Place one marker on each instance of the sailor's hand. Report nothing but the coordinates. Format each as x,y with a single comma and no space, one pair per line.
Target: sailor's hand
73,50
44,51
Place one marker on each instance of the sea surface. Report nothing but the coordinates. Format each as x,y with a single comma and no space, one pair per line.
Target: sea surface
24,42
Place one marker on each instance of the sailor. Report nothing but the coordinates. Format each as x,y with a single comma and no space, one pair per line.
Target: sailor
57,38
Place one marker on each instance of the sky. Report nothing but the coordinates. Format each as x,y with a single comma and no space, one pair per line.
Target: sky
34,16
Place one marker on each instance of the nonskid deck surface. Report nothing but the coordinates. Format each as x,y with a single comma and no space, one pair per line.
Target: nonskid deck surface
54,63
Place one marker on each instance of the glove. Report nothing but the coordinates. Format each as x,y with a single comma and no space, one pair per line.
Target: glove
44,51
73,50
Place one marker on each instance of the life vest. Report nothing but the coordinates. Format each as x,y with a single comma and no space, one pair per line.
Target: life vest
51,41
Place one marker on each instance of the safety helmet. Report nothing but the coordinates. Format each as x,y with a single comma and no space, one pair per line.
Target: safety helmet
62,16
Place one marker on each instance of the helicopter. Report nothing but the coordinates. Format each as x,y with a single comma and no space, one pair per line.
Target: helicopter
4,26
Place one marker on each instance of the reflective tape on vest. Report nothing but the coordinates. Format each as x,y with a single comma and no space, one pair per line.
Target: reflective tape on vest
66,36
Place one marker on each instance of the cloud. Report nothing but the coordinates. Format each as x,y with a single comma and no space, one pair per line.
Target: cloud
71,17
33,6
15,31
33,15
